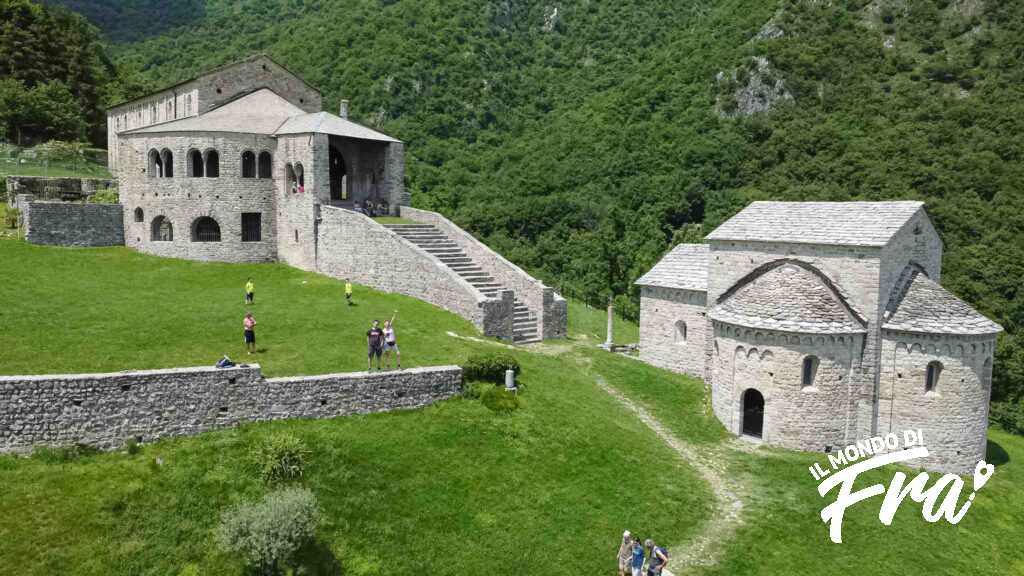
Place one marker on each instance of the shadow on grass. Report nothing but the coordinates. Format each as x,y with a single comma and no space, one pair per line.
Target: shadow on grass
316,559
995,454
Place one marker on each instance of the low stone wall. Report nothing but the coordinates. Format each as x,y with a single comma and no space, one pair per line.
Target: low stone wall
105,410
542,300
353,246
44,188
73,224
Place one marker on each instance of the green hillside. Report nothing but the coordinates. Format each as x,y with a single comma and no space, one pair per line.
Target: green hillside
582,138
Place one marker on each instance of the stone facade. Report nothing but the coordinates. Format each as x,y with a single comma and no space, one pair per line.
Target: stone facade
830,313
204,93
73,224
105,410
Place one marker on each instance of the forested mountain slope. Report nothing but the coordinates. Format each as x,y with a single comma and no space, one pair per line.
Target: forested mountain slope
583,138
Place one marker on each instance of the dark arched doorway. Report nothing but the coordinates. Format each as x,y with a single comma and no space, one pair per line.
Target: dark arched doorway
337,174
753,413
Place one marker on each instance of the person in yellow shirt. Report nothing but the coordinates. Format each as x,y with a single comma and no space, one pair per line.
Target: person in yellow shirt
348,292
249,291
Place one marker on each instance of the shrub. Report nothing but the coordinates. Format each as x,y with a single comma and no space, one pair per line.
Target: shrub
132,446
474,390
11,217
1009,416
106,196
267,533
500,400
64,454
279,458
489,367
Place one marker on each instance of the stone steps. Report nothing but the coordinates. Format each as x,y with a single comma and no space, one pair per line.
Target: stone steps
524,321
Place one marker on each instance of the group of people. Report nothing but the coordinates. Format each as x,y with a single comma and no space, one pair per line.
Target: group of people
380,343
633,554
370,209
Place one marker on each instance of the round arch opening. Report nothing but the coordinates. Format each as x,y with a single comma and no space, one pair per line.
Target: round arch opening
752,409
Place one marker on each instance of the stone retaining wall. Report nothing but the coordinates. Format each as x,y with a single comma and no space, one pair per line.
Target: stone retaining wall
105,410
550,308
355,247
73,224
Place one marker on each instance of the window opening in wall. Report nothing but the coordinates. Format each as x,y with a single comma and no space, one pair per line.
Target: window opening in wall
195,164
266,161
296,236
248,164
300,178
931,378
168,161
212,164
156,165
251,227
205,229
139,215
810,371
290,179
680,332
162,230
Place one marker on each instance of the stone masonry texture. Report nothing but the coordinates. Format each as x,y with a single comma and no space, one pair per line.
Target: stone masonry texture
850,289
74,224
105,410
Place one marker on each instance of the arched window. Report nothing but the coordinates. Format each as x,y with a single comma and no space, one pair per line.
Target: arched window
300,178
248,164
931,378
289,184
265,165
168,160
212,164
139,215
156,165
205,229
195,164
810,371
162,231
680,333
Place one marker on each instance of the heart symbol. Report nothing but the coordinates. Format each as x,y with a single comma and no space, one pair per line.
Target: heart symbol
982,472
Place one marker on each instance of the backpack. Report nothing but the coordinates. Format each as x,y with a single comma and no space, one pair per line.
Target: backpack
225,362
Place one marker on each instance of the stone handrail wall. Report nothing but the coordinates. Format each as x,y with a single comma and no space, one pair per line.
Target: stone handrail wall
105,410
542,300
72,224
354,246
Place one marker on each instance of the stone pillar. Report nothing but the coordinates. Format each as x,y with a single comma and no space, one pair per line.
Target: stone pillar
609,341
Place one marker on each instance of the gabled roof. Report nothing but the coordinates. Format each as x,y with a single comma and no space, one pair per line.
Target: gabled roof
684,267
790,297
921,305
258,112
214,71
833,223
327,123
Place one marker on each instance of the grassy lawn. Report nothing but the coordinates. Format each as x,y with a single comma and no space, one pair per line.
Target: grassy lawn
450,489
592,324
393,220
54,169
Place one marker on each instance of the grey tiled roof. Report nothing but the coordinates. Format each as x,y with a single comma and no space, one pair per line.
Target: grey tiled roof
789,298
259,112
924,306
836,223
686,267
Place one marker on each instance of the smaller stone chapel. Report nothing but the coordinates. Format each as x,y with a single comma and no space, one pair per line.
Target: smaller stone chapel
817,324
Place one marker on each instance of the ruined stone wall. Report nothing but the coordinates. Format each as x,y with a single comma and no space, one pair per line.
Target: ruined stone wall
953,416
802,418
549,307
74,224
662,341
105,410
353,246
182,199
46,188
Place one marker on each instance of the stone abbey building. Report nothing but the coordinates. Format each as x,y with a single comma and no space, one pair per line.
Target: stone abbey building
817,324
241,164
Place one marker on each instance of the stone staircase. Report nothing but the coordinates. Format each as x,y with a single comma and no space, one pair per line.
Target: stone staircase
434,241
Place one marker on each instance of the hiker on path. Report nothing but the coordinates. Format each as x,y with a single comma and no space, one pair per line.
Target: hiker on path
374,345
637,563
625,554
250,291
657,558
348,292
249,324
391,343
